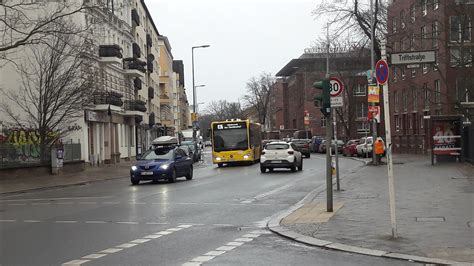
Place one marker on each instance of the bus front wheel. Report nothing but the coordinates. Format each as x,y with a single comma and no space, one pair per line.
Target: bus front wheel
220,165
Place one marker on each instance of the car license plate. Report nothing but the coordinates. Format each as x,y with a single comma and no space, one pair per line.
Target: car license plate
276,161
147,173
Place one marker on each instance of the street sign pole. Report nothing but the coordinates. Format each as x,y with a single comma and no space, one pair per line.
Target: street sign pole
391,186
338,186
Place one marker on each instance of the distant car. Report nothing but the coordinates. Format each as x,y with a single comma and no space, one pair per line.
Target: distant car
162,163
281,155
349,148
303,146
340,144
195,151
364,148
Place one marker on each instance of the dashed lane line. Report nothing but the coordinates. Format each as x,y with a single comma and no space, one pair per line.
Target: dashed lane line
226,248
242,203
133,243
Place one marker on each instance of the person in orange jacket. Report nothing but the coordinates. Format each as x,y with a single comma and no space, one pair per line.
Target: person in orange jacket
379,148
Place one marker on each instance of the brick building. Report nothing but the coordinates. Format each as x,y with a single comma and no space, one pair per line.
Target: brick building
295,94
441,88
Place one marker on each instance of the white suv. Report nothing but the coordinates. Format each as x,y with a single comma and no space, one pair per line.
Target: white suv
364,147
281,155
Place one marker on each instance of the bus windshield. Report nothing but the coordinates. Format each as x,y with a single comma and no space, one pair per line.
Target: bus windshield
226,138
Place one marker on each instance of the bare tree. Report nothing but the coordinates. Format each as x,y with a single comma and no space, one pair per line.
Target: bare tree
351,20
222,110
56,85
259,95
26,22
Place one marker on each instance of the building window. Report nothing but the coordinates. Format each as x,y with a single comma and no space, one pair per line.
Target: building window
412,41
413,13
402,19
394,25
435,33
422,122
460,29
394,71
361,110
403,73
413,72
426,95
396,99
423,37
435,4
404,100
424,7
410,122
323,122
464,89
362,127
425,68
438,112
415,124
415,99
461,57
397,123
359,90
437,91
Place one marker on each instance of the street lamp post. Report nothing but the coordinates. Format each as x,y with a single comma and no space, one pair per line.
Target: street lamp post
194,87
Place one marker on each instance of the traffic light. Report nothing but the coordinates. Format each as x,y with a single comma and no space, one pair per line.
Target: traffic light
325,97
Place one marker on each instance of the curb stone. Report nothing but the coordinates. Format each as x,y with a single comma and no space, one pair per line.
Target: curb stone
274,226
58,186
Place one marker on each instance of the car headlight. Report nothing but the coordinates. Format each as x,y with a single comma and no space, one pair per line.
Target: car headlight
165,166
246,156
134,168
218,158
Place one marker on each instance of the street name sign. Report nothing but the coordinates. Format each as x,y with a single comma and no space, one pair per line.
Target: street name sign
413,58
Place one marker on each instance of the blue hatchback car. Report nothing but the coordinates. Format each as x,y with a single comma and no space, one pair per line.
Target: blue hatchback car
163,163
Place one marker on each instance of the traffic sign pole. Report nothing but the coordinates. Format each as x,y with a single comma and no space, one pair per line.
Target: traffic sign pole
388,136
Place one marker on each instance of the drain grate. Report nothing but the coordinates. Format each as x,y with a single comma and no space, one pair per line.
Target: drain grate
430,219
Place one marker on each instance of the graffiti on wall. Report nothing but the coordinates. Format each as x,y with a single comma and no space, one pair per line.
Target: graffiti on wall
21,144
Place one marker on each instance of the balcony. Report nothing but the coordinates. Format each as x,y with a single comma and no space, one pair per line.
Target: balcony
164,98
135,108
105,100
151,92
134,67
137,52
149,40
135,18
137,84
110,54
150,60
151,119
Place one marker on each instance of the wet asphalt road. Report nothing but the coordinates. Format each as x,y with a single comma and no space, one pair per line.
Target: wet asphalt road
218,218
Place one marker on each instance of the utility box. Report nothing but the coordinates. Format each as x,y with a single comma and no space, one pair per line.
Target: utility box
57,159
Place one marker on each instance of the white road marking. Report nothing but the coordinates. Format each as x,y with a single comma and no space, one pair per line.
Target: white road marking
17,204
94,256
153,236
8,221
138,203
226,248
246,201
203,258
184,226
126,245
95,222
211,203
66,222
41,203
32,221
191,264
132,243
139,241
236,244
157,223
191,224
243,239
223,224
251,235
88,203
111,250
214,253
75,198
183,203
75,262
127,222
164,233
111,202
65,203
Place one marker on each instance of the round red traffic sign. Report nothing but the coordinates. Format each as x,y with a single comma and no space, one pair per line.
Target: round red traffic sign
337,87
381,71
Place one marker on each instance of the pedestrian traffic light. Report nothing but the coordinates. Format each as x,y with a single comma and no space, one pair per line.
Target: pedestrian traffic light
325,97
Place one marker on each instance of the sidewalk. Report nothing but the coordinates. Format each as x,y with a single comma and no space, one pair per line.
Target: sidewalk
434,210
28,183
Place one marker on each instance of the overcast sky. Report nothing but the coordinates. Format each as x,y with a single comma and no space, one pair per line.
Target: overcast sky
247,37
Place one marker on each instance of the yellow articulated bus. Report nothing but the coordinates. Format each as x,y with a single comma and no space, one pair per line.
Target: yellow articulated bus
235,141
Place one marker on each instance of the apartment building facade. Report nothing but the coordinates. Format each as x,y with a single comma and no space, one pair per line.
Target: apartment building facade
444,87
129,60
